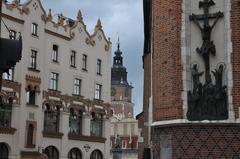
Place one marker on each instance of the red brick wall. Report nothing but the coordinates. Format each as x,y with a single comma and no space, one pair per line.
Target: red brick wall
197,142
141,126
167,68
235,26
146,95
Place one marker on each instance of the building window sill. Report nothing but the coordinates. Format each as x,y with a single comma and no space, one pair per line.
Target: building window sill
56,135
54,91
86,138
33,69
73,66
55,61
84,69
30,146
35,36
31,105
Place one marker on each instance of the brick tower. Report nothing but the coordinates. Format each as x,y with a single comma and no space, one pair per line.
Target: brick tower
123,124
191,79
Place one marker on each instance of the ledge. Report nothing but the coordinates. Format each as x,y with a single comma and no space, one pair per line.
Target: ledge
86,138
30,146
31,105
33,69
56,135
185,122
10,131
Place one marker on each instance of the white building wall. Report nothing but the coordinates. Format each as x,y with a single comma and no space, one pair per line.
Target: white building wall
43,44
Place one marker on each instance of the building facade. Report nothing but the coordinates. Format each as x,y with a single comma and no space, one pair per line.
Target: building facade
56,99
191,79
123,124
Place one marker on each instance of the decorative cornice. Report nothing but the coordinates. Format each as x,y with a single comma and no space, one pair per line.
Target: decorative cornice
33,78
57,35
20,21
66,102
10,131
47,17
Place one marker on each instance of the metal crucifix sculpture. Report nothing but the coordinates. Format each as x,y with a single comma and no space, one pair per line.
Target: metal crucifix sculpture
207,101
208,46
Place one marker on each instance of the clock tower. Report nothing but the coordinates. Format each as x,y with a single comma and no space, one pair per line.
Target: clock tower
124,126
121,90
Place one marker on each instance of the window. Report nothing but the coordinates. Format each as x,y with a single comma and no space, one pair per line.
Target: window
77,87
30,135
4,152
73,58
98,91
8,75
96,154
55,53
34,29
75,122
31,97
12,34
33,59
51,119
75,153
51,152
54,81
84,60
5,116
96,124
99,63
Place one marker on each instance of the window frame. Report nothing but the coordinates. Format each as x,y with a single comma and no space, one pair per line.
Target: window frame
78,118
49,114
12,34
10,76
99,67
6,116
34,29
54,81
77,87
55,53
84,62
73,58
33,59
98,91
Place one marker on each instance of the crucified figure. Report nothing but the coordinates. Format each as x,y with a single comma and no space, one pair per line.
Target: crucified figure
208,46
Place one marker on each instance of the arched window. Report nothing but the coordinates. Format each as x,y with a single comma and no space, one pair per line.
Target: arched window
51,119
75,153
96,154
75,122
51,152
5,115
3,151
96,124
30,135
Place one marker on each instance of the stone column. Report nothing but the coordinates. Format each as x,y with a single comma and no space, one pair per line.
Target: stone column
106,134
86,124
64,128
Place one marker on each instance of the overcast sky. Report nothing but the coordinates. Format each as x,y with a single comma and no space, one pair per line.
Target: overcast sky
117,16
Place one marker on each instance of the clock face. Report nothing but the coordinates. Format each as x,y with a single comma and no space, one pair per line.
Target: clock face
113,91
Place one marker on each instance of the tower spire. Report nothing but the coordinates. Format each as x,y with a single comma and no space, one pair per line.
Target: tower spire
118,43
